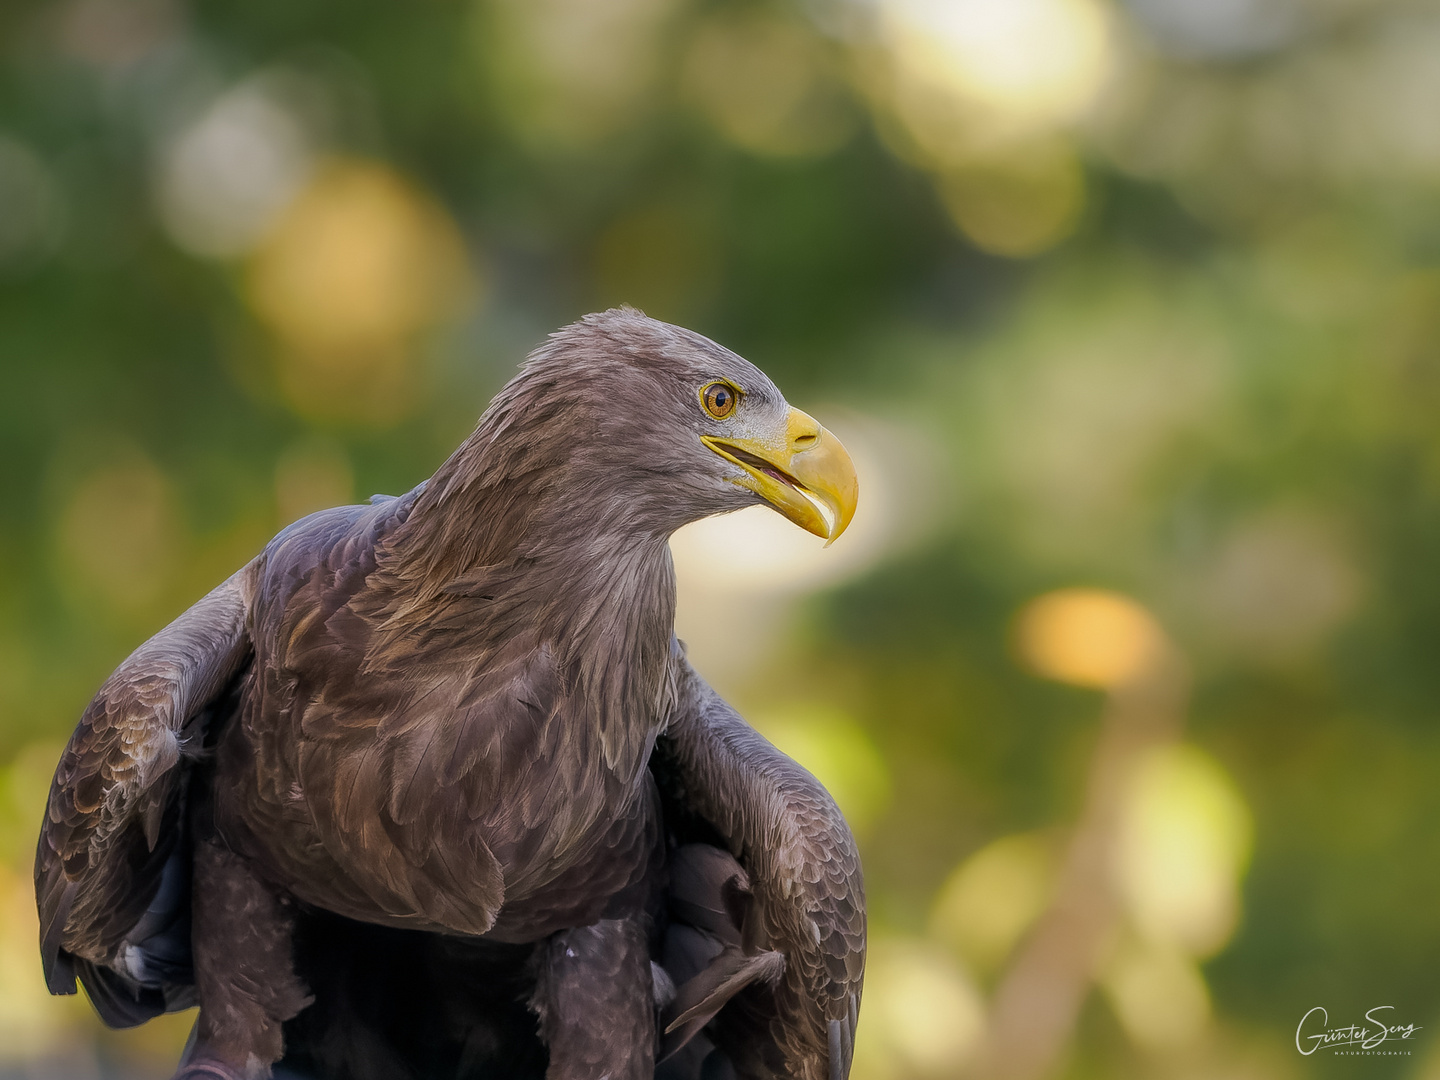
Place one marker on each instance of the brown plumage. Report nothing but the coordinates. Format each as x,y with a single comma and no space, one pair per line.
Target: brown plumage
425,788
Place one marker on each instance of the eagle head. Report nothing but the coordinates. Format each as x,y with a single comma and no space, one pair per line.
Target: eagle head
667,427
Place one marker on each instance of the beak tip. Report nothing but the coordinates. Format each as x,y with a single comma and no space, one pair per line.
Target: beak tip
838,529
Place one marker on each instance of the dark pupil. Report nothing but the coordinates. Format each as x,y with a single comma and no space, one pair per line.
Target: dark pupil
722,399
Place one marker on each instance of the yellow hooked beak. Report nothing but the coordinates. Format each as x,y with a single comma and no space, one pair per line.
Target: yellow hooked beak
795,470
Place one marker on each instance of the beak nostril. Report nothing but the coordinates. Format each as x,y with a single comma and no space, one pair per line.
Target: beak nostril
805,442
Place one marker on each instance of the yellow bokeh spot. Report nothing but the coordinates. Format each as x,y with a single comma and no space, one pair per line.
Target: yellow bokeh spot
764,83
922,1017
1089,637
1158,995
361,258
358,264
1184,845
990,900
1018,205
839,754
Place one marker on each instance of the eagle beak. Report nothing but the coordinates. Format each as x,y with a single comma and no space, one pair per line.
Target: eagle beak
804,472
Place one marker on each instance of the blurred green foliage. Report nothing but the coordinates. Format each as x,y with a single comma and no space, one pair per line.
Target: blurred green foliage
1152,291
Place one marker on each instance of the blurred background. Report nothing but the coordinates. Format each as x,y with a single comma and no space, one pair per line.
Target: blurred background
1126,675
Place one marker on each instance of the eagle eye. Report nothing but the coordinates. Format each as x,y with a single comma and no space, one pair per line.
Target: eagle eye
719,399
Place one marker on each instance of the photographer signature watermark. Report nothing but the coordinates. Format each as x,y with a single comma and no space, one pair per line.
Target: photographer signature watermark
1354,1040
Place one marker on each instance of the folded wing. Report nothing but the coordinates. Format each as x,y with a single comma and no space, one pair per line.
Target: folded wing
723,781
111,881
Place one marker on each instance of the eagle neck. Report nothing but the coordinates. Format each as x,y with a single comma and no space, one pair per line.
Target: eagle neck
607,605
597,589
